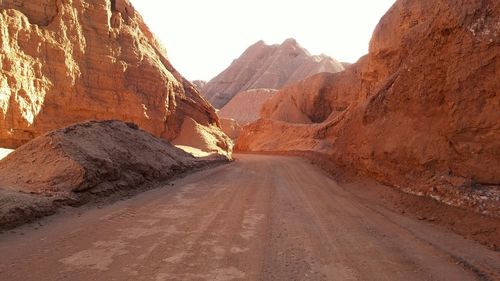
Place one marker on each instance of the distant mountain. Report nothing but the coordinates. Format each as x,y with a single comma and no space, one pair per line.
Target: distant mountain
267,66
245,106
199,84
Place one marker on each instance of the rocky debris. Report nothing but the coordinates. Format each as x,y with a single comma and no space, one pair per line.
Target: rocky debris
423,115
231,127
245,107
97,157
264,66
199,84
64,62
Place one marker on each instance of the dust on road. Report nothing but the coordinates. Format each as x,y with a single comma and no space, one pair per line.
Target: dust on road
260,218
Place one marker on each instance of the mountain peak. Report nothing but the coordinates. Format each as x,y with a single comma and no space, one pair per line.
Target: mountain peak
290,41
266,66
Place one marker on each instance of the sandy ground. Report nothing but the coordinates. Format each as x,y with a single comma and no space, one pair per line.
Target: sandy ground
4,152
260,218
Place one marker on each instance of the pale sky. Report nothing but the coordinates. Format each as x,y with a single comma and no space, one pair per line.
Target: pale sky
202,37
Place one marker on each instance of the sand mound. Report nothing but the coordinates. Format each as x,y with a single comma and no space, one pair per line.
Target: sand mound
93,157
245,106
205,138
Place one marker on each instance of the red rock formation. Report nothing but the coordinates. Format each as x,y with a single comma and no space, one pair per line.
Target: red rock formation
245,107
63,62
230,127
424,115
264,66
325,99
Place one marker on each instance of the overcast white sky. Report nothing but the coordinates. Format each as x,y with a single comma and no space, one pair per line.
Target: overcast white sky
202,37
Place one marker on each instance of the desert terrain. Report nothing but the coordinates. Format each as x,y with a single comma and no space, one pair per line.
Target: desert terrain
284,166
260,218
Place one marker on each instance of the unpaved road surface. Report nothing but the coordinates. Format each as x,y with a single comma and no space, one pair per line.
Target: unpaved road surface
260,218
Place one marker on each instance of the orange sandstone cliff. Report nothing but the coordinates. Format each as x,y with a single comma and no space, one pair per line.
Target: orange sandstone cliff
64,62
419,112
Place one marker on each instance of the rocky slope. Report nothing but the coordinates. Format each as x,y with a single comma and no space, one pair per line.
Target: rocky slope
64,62
245,107
98,157
268,67
419,112
231,127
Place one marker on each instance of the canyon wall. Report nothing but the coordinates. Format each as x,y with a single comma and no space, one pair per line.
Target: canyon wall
64,62
419,112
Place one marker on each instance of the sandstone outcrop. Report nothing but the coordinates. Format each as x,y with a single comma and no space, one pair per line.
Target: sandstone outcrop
422,107
245,107
313,100
63,62
267,67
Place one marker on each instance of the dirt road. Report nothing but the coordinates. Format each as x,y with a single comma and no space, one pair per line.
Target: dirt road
260,218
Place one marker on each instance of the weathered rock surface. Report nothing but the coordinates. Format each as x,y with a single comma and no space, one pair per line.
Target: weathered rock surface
313,100
422,107
245,107
93,157
63,62
267,67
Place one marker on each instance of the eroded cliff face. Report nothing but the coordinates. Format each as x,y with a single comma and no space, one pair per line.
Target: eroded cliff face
63,62
424,110
264,66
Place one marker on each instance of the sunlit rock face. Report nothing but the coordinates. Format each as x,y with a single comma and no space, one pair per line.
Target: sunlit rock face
64,62
420,111
264,66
